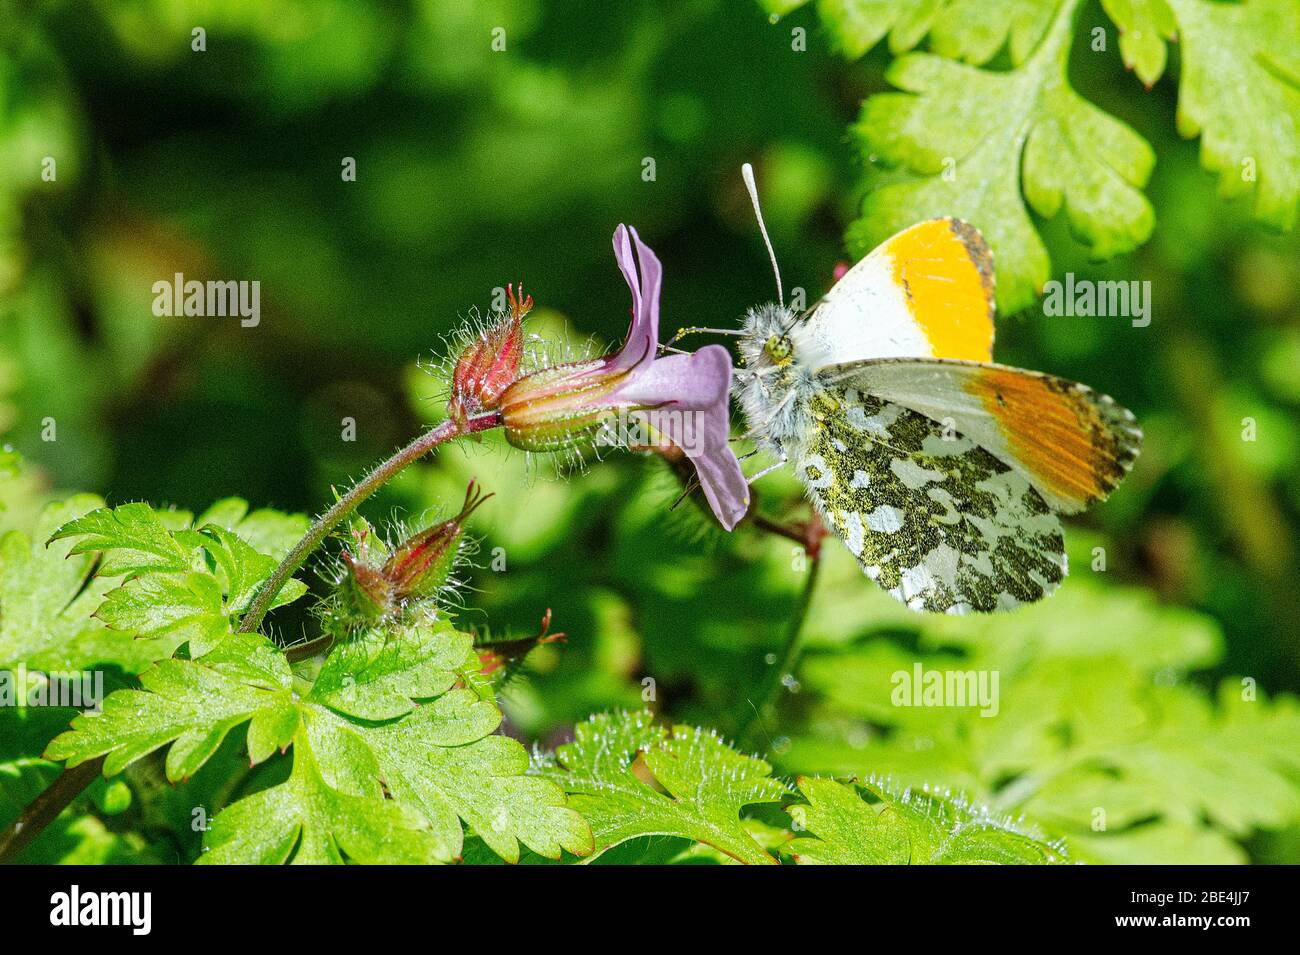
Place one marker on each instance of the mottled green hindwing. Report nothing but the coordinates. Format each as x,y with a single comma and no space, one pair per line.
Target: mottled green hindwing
937,521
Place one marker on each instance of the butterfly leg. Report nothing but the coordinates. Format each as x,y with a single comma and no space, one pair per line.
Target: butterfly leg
700,329
769,469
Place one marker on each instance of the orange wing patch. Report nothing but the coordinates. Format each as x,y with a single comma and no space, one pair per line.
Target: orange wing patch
945,268
1076,442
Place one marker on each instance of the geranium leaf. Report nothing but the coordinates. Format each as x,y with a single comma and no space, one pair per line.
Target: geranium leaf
708,784
901,826
984,146
47,597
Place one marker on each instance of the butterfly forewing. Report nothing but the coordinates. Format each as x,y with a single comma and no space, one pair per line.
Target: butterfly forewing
1073,444
936,520
926,291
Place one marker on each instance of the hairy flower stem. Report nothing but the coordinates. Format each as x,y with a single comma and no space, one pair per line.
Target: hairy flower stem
810,536
807,534
349,502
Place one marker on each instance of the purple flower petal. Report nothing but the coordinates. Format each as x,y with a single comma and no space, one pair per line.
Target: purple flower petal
643,335
700,424
627,265
686,398
689,381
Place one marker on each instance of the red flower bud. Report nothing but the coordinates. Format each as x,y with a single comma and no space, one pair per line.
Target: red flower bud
490,363
420,565
506,655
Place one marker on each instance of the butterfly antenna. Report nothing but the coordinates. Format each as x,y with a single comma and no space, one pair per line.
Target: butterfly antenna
747,173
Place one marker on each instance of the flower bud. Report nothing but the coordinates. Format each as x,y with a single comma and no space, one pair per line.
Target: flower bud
368,591
499,659
490,363
420,565
378,582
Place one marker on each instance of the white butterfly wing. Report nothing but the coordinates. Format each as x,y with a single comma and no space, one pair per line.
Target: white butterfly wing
925,292
938,522
1073,444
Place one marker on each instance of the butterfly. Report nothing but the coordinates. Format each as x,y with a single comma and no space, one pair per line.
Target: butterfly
942,472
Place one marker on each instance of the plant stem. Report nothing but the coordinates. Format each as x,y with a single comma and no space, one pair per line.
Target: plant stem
788,657
349,502
809,535
795,533
45,808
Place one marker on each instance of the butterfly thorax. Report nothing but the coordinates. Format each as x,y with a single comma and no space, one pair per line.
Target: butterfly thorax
776,382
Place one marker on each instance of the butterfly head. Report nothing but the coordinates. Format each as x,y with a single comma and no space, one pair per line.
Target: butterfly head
779,350
766,337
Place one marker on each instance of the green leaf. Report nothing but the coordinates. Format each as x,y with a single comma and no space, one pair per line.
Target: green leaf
240,568
442,761
1233,769
970,30
440,757
184,585
135,539
308,821
1240,91
266,531
379,676
965,142
357,735
855,26
899,826
849,830
47,598
192,704
707,784
169,608
1144,28
976,30
1093,735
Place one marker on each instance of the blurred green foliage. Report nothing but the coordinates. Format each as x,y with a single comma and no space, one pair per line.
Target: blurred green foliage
1124,692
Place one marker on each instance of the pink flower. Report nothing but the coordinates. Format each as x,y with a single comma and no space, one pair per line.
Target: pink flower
678,401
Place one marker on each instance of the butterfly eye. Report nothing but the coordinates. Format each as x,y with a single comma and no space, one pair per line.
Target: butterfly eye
779,348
